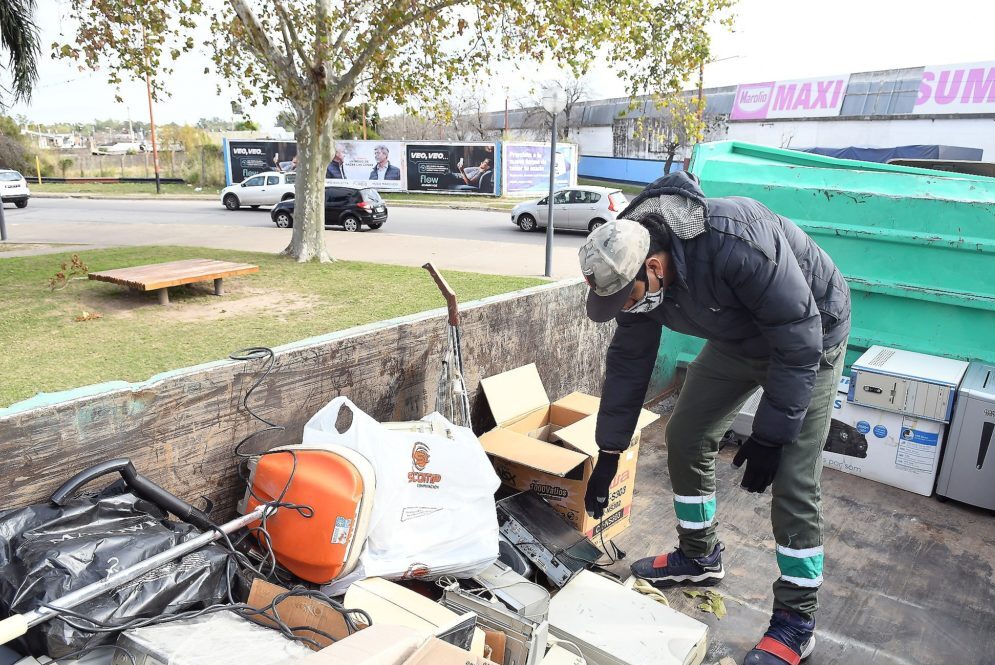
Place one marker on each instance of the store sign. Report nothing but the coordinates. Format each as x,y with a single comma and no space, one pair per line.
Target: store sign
801,98
966,88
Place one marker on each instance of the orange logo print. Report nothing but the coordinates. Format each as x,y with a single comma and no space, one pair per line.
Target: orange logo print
420,456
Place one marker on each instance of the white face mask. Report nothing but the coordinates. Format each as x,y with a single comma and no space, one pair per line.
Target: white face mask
647,303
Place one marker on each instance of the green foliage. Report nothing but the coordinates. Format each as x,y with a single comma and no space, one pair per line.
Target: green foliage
246,126
317,57
19,39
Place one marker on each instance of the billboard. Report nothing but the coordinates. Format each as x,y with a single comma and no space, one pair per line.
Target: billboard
378,164
966,88
246,158
466,168
799,98
526,168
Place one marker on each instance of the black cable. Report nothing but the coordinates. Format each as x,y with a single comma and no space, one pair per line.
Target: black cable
87,650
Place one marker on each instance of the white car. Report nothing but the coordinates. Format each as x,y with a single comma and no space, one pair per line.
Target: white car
14,188
264,189
576,209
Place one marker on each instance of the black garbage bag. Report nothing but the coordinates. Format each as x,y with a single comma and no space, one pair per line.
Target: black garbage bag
46,551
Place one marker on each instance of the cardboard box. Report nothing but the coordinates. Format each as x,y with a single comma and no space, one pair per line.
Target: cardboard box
299,611
550,448
437,652
896,449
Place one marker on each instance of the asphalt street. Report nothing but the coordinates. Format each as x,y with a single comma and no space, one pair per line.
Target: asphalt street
473,240
479,225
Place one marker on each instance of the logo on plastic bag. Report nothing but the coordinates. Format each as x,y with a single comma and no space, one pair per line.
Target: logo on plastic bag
416,571
420,458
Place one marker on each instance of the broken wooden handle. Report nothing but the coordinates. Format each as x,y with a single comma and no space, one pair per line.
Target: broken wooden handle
447,293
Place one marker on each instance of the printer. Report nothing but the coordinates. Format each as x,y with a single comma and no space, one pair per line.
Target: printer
967,472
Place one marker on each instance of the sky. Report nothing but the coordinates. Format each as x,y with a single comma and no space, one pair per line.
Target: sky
772,40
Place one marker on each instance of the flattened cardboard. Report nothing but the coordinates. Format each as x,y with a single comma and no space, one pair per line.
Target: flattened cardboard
580,435
532,453
380,644
515,393
299,611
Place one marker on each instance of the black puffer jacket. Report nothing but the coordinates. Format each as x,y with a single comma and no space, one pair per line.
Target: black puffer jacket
754,284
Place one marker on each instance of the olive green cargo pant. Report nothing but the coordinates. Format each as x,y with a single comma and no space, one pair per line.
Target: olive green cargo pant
716,386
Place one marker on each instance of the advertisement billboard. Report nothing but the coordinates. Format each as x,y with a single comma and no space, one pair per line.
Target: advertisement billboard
799,98
966,88
377,164
465,168
245,158
526,168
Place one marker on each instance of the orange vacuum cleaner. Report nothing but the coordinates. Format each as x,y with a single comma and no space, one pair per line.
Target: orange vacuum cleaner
322,542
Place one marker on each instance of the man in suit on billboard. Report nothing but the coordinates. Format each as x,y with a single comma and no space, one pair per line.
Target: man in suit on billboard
383,169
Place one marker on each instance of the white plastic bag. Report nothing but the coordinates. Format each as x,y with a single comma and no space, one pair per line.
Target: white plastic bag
433,512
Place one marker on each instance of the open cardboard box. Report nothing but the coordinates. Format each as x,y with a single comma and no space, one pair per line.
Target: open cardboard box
550,448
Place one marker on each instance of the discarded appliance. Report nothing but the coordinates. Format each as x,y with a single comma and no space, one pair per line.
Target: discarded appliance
221,638
914,384
644,632
391,603
433,507
509,555
558,655
550,448
525,640
85,550
523,597
538,531
967,472
380,644
337,484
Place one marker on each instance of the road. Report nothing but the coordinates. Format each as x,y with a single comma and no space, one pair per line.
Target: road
429,222
456,239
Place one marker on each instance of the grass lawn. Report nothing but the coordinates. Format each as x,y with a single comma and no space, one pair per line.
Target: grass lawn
628,188
46,349
117,188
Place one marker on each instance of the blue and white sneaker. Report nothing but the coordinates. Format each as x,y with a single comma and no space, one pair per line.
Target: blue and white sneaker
789,640
675,568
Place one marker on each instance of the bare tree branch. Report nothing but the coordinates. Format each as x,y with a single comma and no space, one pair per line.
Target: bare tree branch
290,36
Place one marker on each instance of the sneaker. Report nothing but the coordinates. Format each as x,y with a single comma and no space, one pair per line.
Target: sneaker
790,639
674,568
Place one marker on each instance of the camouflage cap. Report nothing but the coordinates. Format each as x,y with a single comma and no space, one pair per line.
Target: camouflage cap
609,260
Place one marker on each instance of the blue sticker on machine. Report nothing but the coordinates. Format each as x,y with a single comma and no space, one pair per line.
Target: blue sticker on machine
863,427
880,431
917,436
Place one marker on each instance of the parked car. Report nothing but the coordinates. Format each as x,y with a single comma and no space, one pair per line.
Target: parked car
576,208
348,207
14,188
264,189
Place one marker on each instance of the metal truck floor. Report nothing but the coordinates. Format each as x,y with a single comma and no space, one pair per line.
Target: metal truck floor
908,580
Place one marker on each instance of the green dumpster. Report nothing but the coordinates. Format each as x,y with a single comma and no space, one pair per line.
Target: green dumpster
916,246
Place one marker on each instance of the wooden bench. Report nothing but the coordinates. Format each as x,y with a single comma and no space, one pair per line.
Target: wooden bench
159,277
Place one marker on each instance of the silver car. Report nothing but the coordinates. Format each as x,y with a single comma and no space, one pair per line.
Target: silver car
576,209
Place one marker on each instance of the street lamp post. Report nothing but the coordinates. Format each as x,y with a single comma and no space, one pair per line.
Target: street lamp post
552,102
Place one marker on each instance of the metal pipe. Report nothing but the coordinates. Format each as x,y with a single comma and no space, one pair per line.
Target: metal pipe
549,201
18,624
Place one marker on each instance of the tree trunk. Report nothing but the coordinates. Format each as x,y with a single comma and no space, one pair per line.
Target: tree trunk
314,152
671,151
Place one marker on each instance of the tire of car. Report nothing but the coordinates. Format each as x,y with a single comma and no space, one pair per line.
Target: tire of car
351,223
284,220
527,222
595,223
21,204
375,225
231,202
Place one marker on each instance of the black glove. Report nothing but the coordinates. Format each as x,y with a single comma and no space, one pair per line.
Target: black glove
596,497
762,459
